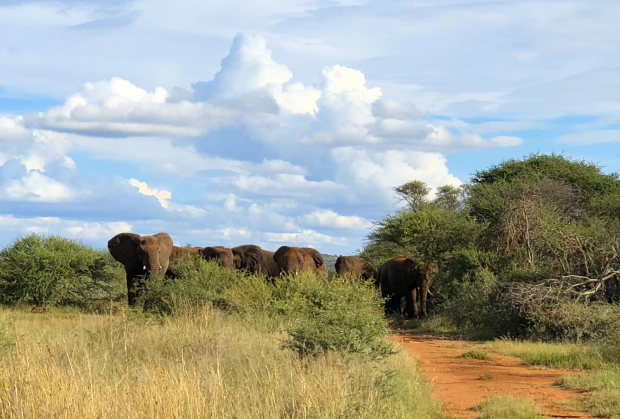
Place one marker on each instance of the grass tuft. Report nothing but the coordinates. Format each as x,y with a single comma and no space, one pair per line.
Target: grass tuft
475,354
508,407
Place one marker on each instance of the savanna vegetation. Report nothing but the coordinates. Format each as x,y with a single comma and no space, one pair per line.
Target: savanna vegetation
528,249
211,343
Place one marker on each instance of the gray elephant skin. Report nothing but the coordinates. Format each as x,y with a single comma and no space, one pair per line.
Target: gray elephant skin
406,277
356,266
222,255
255,259
142,256
292,260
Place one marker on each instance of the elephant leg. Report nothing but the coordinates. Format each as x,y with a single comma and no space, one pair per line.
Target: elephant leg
414,299
408,305
424,295
131,287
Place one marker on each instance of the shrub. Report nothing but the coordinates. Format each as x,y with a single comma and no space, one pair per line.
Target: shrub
53,270
531,310
197,282
471,302
343,314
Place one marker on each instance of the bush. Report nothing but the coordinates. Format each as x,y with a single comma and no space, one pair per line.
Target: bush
530,310
470,305
53,270
344,314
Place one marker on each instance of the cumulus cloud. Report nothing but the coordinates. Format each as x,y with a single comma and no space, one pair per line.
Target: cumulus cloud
329,218
119,108
375,174
591,137
36,187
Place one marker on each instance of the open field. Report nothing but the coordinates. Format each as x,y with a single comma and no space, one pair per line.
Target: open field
200,363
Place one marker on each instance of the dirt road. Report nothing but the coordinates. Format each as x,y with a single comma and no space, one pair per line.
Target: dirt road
463,383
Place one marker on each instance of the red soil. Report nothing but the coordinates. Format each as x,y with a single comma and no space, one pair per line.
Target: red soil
463,383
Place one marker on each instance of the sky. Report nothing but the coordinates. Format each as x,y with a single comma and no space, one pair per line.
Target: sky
285,122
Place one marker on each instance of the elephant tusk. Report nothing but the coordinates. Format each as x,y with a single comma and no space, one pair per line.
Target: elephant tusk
144,267
430,293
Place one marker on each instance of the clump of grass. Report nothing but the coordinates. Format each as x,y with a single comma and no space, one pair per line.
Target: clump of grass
603,391
508,407
553,355
486,377
475,354
199,362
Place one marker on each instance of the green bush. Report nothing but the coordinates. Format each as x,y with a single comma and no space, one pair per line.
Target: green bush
319,315
340,315
470,305
53,270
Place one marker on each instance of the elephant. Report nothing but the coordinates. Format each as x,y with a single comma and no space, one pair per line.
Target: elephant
142,256
406,277
357,266
222,255
177,253
299,259
255,260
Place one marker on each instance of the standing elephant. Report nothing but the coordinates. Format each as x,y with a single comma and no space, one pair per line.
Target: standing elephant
142,256
406,277
299,259
177,253
255,260
222,255
357,266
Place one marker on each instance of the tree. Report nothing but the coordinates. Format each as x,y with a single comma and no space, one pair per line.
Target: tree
413,193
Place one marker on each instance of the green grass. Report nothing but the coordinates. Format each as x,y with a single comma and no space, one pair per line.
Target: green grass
475,354
552,355
602,388
508,407
198,362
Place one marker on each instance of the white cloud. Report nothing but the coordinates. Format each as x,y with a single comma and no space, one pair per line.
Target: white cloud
329,218
591,137
12,128
285,184
303,238
96,231
118,107
163,196
36,187
374,174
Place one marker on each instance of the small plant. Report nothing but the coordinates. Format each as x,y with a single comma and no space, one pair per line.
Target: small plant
508,407
486,377
475,354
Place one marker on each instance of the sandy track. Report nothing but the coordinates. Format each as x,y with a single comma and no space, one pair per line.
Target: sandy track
463,383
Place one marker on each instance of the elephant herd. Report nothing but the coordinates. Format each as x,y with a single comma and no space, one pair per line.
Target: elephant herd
151,255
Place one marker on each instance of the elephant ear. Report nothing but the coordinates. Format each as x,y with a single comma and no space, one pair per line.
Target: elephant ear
122,247
165,243
253,259
318,259
280,254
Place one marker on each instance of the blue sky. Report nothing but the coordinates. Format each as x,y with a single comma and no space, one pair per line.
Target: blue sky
226,123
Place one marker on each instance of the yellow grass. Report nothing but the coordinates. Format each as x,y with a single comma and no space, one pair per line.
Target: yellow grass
201,363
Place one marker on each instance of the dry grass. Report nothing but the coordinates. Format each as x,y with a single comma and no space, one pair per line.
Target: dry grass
200,363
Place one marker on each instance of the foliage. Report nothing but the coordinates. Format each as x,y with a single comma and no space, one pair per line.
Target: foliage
53,270
602,388
413,193
475,354
343,314
544,229
508,407
199,362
